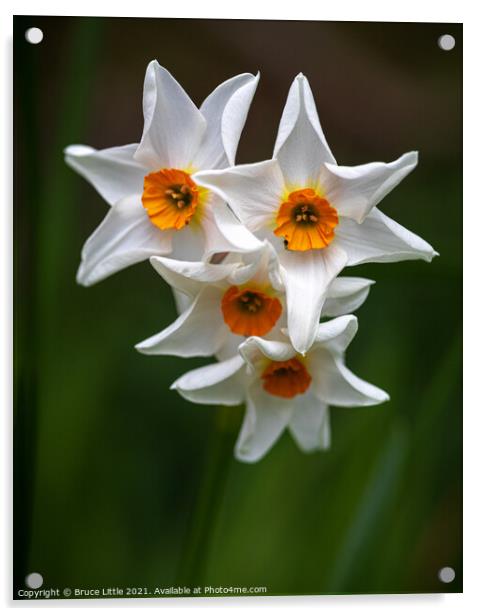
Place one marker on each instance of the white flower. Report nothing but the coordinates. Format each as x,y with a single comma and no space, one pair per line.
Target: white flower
284,389
236,299
318,216
157,207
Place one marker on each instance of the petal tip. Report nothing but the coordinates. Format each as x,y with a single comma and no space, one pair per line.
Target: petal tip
244,454
350,318
154,63
412,157
82,278
67,151
301,347
430,256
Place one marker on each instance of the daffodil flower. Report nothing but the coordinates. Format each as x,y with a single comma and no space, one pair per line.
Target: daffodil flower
231,301
157,206
284,389
318,216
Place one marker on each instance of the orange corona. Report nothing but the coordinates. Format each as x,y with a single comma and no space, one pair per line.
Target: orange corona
286,379
250,312
306,221
170,198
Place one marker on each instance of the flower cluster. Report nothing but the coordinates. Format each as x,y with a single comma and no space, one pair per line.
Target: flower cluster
252,252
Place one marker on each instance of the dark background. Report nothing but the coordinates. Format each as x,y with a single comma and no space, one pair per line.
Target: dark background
113,472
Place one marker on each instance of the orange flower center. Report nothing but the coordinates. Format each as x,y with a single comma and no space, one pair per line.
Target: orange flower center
286,379
170,198
306,221
249,312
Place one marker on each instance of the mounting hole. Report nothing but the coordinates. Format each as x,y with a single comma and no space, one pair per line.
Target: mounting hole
446,575
34,35
34,580
446,42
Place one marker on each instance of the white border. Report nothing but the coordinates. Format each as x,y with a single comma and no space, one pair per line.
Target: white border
350,10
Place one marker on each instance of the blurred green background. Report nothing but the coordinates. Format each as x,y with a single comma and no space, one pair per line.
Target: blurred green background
112,470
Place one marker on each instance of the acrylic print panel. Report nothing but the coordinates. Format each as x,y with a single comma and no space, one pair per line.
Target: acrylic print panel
126,487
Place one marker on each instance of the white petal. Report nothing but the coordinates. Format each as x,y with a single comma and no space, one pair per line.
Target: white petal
181,300
112,172
199,331
336,334
230,346
188,243
379,239
252,191
220,383
334,384
223,232
265,419
259,267
225,111
125,236
190,277
306,276
173,125
354,191
248,268
255,348
301,147
310,423
345,295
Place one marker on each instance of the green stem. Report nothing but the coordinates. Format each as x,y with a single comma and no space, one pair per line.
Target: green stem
212,488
